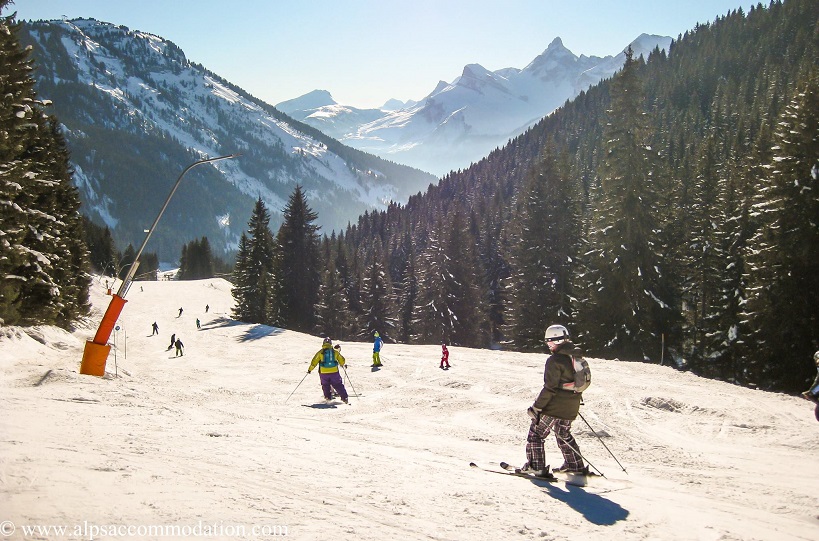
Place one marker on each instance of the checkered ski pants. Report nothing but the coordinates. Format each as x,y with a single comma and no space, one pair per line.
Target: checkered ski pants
539,430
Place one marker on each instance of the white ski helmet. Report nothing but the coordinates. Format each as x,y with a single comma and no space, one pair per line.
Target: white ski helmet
555,333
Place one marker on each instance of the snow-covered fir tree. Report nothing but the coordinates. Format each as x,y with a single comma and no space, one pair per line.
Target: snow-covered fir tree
544,254
430,317
43,258
407,291
461,279
496,270
377,299
255,280
783,281
299,264
628,305
333,307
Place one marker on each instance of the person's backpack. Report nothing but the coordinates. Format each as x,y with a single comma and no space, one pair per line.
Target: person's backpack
328,359
582,375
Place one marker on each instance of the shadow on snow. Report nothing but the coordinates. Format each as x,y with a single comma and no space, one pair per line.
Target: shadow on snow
594,507
255,332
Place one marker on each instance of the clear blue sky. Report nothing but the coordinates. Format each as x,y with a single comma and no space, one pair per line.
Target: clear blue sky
368,51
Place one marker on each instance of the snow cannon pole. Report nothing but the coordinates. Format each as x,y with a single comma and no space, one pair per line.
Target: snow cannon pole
96,350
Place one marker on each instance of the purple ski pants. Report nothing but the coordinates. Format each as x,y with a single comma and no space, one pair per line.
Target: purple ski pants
332,379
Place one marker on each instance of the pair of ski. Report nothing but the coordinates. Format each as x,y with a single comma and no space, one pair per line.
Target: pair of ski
574,479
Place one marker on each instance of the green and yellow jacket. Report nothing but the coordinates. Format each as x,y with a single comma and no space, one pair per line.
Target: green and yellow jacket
327,360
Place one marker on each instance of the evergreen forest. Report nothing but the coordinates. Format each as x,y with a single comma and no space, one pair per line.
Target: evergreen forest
667,215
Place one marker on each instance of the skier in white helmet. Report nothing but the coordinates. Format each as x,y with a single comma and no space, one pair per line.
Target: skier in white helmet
555,408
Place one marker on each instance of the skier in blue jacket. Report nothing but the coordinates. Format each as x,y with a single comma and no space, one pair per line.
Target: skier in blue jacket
377,343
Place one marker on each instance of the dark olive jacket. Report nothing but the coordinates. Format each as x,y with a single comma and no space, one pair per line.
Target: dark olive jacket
553,400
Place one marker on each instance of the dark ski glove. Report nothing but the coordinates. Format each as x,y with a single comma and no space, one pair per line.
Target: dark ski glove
534,413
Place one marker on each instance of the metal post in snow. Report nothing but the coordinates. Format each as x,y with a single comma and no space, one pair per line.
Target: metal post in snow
662,350
96,350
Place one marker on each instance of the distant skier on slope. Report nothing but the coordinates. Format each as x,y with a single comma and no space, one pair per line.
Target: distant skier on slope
555,408
328,361
444,356
377,343
155,329
179,348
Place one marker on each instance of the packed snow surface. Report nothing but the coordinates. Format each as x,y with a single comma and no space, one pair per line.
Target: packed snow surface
208,445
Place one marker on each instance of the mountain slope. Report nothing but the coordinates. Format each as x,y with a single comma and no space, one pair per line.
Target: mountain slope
460,122
214,439
137,112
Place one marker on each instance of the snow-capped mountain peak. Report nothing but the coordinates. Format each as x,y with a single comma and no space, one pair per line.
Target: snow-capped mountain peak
310,101
480,79
555,55
646,43
440,87
136,112
462,121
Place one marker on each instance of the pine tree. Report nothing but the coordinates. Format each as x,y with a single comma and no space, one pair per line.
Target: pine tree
377,299
184,264
431,318
407,296
101,246
783,304
196,262
43,240
43,260
242,291
254,275
349,288
702,293
148,267
463,296
332,308
628,305
449,304
715,246
544,255
71,262
496,271
16,112
126,260
300,264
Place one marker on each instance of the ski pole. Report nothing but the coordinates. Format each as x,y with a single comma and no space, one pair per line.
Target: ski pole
573,448
348,380
297,386
601,441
